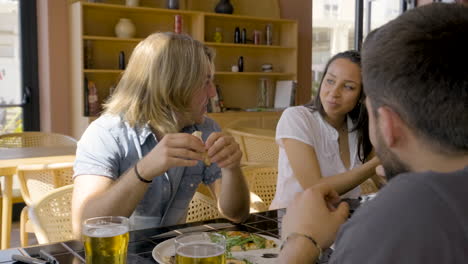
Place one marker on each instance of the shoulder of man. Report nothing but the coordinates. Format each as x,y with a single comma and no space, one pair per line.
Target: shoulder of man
408,222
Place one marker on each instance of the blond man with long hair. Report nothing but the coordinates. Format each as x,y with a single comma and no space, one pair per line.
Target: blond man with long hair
140,158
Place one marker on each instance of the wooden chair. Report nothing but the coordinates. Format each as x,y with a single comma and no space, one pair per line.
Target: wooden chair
368,187
51,216
32,139
258,145
35,182
202,208
262,181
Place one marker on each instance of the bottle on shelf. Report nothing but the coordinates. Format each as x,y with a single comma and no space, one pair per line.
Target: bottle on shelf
269,34
122,60
237,35
240,64
178,24
256,37
244,36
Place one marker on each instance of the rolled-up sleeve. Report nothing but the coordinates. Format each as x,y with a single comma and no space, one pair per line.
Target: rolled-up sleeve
97,153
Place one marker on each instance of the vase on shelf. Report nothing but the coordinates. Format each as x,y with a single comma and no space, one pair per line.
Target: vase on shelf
132,2
172,4
125,28
224,7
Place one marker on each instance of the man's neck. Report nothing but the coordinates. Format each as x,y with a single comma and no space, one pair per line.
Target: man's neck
438,162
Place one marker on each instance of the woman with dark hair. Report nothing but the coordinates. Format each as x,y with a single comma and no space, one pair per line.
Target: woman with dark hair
327,140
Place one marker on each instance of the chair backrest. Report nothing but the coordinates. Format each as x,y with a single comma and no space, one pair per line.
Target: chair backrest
36,180
368,187
35,139
202,208
51,216
258,145
262,181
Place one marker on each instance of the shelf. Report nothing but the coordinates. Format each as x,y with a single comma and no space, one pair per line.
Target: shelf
139,9
101,38
182,12
251,18
93,40
278,74
246,46
102,71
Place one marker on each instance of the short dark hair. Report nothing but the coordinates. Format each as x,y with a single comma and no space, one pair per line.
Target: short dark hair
416,65
358,114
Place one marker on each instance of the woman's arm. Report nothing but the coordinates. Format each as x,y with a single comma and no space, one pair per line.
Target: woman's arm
306,168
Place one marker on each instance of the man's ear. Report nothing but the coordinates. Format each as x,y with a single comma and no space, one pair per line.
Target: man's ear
392,128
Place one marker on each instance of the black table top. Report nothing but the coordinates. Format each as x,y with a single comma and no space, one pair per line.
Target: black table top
142,242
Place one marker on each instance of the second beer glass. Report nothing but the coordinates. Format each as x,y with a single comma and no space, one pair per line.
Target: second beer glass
200,248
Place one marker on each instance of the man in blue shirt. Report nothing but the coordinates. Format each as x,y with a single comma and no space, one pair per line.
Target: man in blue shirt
140,158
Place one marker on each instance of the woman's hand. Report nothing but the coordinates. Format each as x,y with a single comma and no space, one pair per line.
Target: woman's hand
224,150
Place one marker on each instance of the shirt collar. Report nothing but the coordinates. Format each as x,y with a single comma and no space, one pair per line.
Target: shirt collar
143,132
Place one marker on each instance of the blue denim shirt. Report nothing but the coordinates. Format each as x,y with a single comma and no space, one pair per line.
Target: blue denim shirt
109,147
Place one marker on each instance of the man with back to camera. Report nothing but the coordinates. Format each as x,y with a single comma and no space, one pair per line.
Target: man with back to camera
417,99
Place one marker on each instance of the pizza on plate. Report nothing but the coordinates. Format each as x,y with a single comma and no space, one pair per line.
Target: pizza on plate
238,241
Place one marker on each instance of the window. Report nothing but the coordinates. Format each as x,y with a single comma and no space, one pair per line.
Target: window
19,102
333,27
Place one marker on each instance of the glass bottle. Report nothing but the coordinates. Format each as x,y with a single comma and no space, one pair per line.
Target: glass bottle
237,35
269,34
240,64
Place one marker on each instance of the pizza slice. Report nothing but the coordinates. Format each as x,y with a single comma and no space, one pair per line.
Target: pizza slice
206,159
243,241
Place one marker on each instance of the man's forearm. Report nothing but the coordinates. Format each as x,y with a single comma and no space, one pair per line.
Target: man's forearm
120,199
298,250
234,200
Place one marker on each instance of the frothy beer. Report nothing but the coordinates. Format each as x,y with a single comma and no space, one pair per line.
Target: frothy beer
106,244
200,253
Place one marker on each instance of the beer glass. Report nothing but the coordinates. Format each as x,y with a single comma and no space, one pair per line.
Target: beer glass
106,239
200,248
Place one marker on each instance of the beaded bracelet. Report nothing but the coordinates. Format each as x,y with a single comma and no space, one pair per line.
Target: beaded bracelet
295,234
139,176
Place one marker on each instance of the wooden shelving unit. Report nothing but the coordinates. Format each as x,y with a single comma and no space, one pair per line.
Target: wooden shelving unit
92,29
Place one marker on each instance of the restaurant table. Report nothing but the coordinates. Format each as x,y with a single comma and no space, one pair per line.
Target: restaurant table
10,159
142,242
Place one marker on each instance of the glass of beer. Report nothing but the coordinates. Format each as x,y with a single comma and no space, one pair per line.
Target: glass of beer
200,248
106,239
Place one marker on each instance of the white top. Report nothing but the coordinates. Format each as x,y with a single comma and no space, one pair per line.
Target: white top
309,127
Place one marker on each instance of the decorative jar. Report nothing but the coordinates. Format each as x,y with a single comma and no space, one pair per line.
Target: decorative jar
125,28
224,7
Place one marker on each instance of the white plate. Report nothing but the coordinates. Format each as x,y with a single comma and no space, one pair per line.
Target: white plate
166,249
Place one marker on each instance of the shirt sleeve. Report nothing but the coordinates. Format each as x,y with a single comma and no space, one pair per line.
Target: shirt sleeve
296,123
396,227
97,153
